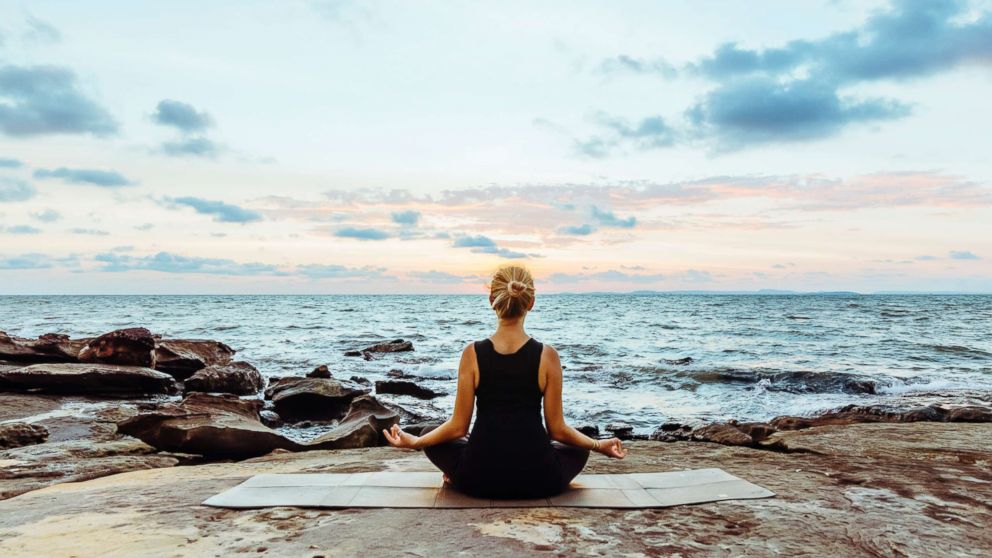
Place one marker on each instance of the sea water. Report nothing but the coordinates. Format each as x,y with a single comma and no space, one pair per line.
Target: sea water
638,359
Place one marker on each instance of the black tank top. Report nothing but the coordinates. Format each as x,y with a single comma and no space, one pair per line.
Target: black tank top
509,453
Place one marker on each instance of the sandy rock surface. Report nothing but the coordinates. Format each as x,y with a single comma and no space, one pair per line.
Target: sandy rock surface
902,489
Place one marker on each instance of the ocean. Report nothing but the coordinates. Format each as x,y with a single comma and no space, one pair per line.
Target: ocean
638,359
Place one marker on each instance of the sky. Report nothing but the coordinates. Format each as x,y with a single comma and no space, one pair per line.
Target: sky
336,146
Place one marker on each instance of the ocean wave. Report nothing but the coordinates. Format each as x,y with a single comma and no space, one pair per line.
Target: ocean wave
962,350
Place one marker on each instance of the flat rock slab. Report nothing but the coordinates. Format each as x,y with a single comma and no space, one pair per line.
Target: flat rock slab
393,489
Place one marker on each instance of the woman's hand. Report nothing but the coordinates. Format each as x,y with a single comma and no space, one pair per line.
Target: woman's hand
400,439
611,448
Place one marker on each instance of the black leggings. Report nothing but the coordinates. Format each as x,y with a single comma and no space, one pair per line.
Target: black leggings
445,456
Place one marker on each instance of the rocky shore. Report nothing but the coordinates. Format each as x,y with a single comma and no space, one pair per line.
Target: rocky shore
170,421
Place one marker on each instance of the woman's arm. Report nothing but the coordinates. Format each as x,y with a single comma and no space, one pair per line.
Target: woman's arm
554,420
457,425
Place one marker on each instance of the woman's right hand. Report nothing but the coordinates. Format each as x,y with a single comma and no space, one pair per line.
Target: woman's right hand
612,448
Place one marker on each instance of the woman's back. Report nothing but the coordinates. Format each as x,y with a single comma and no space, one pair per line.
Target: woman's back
509,452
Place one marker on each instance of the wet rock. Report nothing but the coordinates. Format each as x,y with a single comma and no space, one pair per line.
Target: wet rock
92,379
298,399
130,347
970,414
214,426
394,346
402,387
671,432
726,434
17,434
590,430
620,430
239,378
679,361
50,347
416,428
408,416
361,427
270,418
183,357
321,371
361,380
397,373
854,414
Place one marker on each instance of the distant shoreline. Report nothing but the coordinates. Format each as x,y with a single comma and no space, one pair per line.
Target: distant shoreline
764,292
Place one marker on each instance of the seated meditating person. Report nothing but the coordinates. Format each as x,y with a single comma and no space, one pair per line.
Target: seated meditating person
510,452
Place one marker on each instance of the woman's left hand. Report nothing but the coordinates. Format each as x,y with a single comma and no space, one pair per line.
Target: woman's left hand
400,439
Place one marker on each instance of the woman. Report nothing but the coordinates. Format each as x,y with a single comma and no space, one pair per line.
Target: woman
509,453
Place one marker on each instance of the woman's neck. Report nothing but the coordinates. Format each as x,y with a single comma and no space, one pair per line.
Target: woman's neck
510,329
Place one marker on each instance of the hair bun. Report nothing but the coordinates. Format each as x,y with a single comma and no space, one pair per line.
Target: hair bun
516,287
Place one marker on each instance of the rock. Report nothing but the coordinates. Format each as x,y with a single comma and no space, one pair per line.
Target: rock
397,373
394,346
270,418
298,399
239,378
590,430
92,379
50,347
130,347
758,431
361,380
726,434
620,430
909,489
854,414
408,416
183,357
970,414
214,426
17,434
671,432
361,427
321,371
402,387
679,361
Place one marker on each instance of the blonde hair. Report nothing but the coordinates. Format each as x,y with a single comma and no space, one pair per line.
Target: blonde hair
512,291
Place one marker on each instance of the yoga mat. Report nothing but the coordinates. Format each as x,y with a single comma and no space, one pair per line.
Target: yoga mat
390,489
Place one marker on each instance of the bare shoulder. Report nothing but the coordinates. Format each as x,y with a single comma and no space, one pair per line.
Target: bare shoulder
549,355
468,354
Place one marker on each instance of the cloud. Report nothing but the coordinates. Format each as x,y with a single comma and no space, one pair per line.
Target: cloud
181,116
42,100
794,93
15,190
195,146
106,179
334,271
577,230
407,218
46,216
88,232
167,262
606,218
361,233
926,258
20,229
485,245
26,261
962,255
222,212
762,109
41,32
8,163
440,277
625,63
